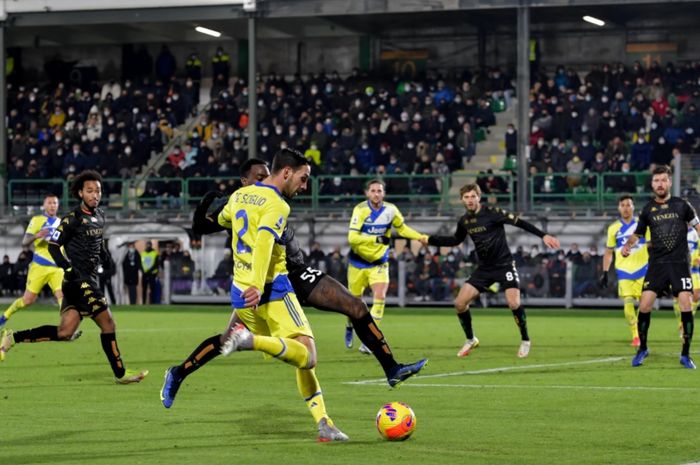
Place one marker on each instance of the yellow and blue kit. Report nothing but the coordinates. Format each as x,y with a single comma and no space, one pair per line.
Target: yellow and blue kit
43,270
634,266
694,252
366,225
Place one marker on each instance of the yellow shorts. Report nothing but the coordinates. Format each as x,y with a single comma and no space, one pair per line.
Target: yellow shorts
630,288
696,280
360,278
41,275
277,318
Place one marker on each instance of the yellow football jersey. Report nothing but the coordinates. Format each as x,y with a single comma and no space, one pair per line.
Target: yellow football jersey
41,246
366,225
693,250
257,215
634,266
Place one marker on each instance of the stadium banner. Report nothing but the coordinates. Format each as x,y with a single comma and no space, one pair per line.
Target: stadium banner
404,63
648,52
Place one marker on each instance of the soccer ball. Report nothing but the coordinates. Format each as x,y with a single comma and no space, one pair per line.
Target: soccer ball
396,421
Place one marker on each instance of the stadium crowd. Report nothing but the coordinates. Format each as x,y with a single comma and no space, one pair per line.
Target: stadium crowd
616,119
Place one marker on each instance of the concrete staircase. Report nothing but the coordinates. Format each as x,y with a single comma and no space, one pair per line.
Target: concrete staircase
490,154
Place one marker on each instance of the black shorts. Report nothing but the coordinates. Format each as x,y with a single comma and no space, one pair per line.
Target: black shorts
506,276
83,296
661,277
304,280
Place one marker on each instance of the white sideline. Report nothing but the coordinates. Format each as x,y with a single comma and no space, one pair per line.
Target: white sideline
501,369
581,387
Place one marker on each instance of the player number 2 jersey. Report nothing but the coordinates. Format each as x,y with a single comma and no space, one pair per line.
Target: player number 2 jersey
257,216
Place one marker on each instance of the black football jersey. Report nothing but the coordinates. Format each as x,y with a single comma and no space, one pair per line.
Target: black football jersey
485,227
668,225
80,234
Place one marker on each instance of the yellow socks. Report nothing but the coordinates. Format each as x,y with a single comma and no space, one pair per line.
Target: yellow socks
310,390
631,316
377,310
15,307
288,350
677,311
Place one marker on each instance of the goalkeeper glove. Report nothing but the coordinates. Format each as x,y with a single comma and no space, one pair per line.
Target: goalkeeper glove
603,281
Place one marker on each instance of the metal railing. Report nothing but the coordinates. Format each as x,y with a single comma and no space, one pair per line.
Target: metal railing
326,193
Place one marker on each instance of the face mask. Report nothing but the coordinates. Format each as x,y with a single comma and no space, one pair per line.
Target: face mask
510,130
612,124
574,114
604,99
662,140
585,144
127,150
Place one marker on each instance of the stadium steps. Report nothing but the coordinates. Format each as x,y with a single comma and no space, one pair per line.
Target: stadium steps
490,153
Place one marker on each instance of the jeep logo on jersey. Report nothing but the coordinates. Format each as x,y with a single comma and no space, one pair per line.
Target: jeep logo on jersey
376,230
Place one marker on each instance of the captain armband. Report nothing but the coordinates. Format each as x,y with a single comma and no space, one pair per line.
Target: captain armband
694,222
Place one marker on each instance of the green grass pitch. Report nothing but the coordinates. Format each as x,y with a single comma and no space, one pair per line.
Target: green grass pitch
575,400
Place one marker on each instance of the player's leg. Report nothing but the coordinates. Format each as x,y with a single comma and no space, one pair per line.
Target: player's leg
467,294
102,317
205,352
329,295
630,292
358,280
682,287
379,283
70,320
280,329
643,322
37,277
514,303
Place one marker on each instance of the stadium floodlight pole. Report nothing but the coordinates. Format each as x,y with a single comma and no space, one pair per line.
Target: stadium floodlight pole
252,91
676,184
523,84
3,115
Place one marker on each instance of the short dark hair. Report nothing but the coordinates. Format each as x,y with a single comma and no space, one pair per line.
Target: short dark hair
50,194
468,188
287,157
624,197
375,181
79,181
249,164
661,169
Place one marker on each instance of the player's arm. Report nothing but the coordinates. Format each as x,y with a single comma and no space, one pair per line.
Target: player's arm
270,229
60,236
608,257
404,230
691,217
34,232
631,242
355,236
202,223
457,238
510,218
641,231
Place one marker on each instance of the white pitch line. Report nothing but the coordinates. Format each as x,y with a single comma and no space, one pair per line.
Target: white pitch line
501,369
546,386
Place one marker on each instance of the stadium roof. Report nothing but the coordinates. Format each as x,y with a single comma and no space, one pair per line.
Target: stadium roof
311,18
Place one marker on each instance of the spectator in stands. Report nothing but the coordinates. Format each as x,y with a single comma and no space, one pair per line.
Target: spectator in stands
165,65
221,65
557,275
585,277
317,259
183,268
640,156
574,254
428,279
131,268
336,267
7,277
220,282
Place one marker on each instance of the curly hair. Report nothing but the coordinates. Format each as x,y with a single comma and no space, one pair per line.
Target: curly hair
79,181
